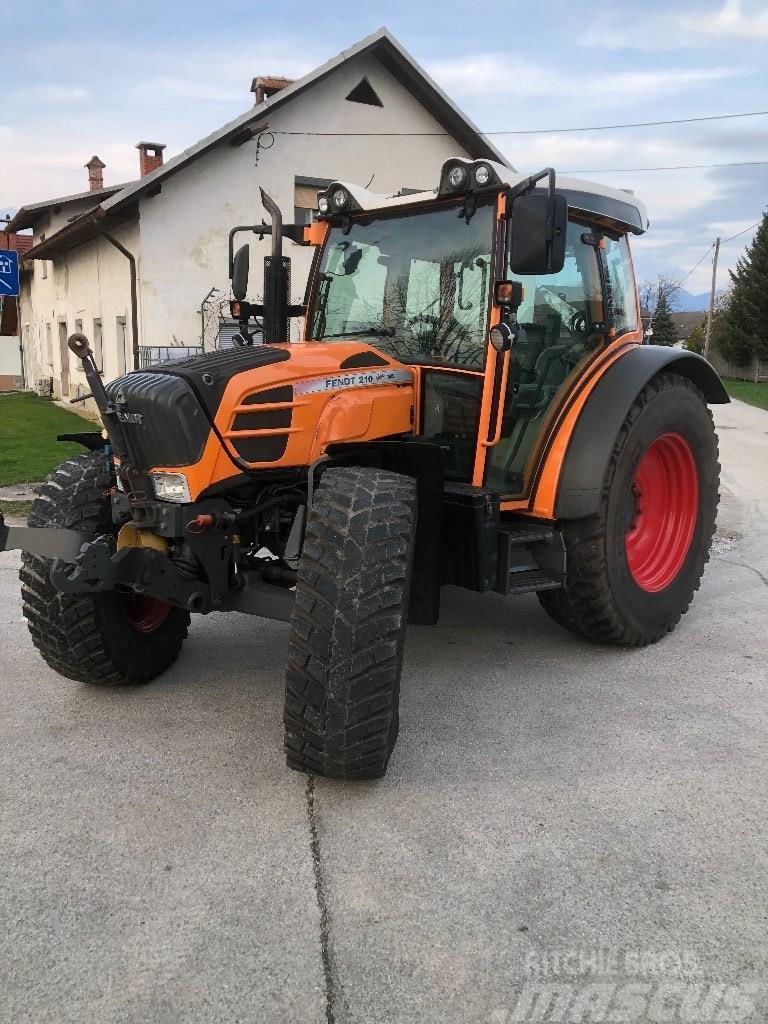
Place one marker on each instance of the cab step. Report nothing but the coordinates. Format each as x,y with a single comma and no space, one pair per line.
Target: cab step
529,581
531,558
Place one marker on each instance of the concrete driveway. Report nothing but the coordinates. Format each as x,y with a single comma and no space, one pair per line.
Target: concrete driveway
560,821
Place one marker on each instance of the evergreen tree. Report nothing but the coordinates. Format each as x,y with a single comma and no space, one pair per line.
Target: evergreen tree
745,331
664,330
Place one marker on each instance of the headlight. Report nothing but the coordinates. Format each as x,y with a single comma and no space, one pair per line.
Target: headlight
482,175
340,198
170,486
457,176
322,204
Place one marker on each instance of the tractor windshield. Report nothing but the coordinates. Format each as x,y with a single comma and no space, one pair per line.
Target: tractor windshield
417,283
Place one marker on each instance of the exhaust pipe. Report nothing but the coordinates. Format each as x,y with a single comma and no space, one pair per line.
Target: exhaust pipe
277,279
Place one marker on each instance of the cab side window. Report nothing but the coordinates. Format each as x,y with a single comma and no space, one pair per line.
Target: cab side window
621,283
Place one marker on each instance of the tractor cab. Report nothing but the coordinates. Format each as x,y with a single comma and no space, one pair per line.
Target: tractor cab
497,289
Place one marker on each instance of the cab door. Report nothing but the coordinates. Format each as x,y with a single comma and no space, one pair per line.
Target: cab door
558,319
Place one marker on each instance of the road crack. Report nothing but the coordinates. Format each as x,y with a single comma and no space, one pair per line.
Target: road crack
743,565
334,999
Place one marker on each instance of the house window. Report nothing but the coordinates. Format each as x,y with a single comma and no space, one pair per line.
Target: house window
120,332
365,93
78,326
48,345
98,345
305,198
43,263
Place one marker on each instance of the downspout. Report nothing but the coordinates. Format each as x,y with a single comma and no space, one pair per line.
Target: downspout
134,298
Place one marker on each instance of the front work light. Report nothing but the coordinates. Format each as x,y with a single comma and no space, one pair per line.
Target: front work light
340,198
482,175
322,204
457,176
170,486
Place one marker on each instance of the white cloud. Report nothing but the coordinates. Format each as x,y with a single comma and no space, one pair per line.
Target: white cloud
586,155
224,81
674,30
732,20
492,73
55,94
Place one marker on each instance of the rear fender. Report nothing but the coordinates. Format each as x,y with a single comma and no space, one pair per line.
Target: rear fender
594,436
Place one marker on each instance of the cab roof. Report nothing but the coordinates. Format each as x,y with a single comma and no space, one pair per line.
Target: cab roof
622,209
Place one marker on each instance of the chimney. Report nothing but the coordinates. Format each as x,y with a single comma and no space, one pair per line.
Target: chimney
264,86
95,177
150,156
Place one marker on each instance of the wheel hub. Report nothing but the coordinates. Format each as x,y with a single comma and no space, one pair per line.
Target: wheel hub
145,613
665,500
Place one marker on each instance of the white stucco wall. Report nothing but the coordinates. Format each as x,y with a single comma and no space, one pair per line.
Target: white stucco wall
184,229
88,283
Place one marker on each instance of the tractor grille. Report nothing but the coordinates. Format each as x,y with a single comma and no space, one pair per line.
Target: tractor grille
262,425
161,420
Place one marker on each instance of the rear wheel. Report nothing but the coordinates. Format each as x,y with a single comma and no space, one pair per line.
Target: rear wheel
349,621
635,566
110,639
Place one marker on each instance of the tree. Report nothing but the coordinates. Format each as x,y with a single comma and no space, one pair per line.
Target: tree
698,335
745,334
696,338
659,297
664,330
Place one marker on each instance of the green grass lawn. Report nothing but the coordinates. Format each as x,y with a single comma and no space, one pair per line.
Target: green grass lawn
28,428
17,509
747,391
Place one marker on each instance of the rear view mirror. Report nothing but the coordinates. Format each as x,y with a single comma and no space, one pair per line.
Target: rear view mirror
240,270
533,249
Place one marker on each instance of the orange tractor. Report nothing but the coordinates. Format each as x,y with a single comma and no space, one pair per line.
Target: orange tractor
472,404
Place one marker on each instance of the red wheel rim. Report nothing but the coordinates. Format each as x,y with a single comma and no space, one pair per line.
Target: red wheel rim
145,613
665,493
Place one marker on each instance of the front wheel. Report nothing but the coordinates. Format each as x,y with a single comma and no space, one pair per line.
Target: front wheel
635,566
114,638
349,620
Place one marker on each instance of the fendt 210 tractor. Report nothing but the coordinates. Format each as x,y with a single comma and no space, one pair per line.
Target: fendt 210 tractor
472,404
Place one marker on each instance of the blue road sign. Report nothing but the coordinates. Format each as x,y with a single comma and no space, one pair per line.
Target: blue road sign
9,272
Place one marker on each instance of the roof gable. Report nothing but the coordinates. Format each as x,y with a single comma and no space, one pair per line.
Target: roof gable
393,57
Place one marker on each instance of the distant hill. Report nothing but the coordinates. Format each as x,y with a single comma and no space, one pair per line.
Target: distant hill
685,302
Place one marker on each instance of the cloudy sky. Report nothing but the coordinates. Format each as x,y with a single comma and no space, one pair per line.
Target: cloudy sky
83,77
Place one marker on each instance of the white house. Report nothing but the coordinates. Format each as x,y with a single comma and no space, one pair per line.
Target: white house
144,265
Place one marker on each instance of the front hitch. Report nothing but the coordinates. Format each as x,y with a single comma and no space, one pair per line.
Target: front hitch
144,570
84,564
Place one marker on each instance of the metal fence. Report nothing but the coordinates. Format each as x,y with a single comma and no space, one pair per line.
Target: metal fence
151,355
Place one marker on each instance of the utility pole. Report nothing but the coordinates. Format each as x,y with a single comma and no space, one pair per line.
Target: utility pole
711,299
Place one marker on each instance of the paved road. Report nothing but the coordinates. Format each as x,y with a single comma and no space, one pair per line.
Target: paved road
555,812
